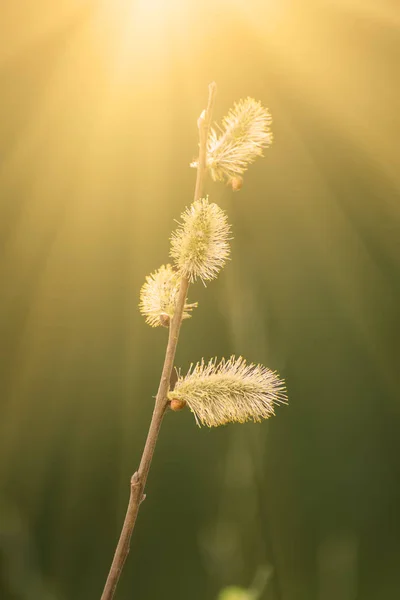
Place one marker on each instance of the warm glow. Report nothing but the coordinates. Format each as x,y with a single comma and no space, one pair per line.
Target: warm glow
99,103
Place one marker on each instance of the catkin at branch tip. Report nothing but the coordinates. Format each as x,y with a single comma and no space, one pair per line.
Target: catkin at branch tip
244,133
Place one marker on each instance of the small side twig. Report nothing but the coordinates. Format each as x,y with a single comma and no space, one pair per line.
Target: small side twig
138,480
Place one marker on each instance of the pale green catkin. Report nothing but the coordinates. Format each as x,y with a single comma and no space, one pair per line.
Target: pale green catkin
244,133
200,246
229,391
158,297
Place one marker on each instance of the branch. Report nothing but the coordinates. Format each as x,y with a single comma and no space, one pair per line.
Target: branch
138,480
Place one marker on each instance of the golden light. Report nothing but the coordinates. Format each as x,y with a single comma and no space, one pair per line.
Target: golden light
99,108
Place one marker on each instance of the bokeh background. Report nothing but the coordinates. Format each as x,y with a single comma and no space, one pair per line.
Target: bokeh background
98,110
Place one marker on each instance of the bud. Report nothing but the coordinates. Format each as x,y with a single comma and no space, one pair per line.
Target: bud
229,391
165,320
200,246
176,404
158,297
236,183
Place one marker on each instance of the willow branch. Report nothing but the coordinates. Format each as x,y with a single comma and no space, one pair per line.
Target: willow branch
138,480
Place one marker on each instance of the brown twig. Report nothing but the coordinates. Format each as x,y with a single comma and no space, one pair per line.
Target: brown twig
138,480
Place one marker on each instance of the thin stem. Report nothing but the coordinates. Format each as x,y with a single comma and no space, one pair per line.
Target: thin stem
138,479
204,126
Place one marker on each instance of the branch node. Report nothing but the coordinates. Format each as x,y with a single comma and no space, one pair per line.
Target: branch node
135,480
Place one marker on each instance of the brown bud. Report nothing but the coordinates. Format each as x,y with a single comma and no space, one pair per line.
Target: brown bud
165,319
176,404
236,183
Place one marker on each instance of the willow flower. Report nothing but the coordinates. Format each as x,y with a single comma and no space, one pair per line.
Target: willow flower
229,391
200,245
245,132
158,297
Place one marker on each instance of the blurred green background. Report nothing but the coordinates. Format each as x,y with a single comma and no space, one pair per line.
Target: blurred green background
98,110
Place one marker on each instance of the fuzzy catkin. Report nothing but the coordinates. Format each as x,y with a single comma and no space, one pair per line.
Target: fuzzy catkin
158,297
229,391
244,133
200,246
